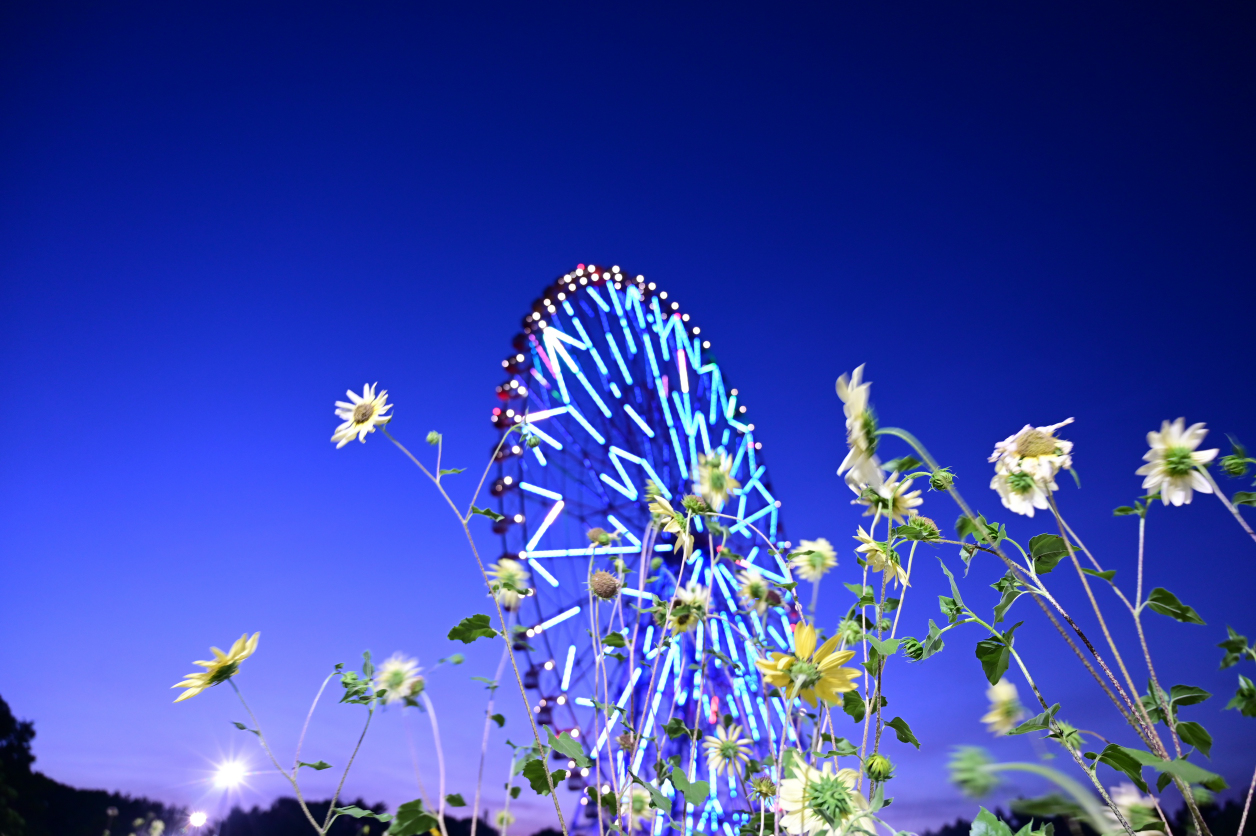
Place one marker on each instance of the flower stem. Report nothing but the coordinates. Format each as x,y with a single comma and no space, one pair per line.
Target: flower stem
488,719
1247,805
1226,502
440,761
331,808
301,740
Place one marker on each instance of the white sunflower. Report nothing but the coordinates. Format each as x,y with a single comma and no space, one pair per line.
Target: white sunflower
1025,466
401,678
817,801
813,559
366,412
510,582
861,466
1173,464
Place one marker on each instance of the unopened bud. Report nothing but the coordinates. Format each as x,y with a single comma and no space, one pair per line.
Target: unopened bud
656,563
533,441
604,585
763,787
941,479
1234,466
433,438
695,505
879,768
626,740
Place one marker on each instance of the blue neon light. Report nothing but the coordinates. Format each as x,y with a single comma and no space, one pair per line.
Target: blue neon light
571,660
645,428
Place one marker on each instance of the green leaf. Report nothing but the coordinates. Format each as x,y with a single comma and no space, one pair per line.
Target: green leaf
534,771
455,799
412,820
865,594
568,746
318,765
1245,698
1180,695
994,656
1193,734
1107,574
1011,590
964,526
1243,498
499,719
1039,722
842,747
988,824
1124,761
854,705
487,512
243,727
903,731
657,800
902,465
695,792
954,588
1047,806
676,728
608,801
359,813
1235,647
950,608
451,470
885,647
1165,602
472,628
1123,511
1047,550
614,640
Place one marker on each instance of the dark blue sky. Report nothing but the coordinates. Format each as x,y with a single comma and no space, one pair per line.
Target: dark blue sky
214,219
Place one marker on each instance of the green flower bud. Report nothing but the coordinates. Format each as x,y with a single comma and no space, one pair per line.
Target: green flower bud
695,505
533,441
878,768
656,563
599,536
941,479
433,438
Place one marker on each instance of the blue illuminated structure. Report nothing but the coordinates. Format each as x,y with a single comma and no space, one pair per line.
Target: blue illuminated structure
620,389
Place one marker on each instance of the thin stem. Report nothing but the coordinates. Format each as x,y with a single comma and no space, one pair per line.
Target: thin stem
262,738
301,740
1247,805
331,808
414,757
1226,502
898,612
440,761
488,719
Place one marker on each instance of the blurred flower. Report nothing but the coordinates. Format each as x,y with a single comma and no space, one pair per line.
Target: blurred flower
509,582
400,677
669,519
726,750
861,465
1138,809
813,559
1025,465
970,771
362,416
1172,462
689,607
223,667
755,591
601,537
879,558
808,672
819,800
891,498
715,480
503,819
1005,711
636,808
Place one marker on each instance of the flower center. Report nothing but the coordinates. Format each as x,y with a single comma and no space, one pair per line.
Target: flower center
716,480
829,798
729,750
1021,483
224,673
1178,461
1035,443
804,674
363,412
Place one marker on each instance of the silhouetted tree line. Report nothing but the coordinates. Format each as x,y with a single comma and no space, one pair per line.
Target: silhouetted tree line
1221,820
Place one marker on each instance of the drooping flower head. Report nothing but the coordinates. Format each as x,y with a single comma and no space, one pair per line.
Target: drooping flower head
1025,466
715,479
861,466
669,519
808,672
813,559
727,750
880,558
1173,463
689,608
509,582
220,669
366,412
635,807
816,801
1138,809
892,498
1005,711
401,678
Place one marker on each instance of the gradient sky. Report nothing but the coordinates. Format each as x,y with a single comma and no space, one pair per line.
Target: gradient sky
214,218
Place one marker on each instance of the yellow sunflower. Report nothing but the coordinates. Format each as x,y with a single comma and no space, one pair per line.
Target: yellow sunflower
808,672
223,667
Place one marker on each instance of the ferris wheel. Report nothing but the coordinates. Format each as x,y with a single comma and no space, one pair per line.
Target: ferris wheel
620,390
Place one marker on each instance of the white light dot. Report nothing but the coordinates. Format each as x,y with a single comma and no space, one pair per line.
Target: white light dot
508,479
230,775
576,733
684,318
706,343
696,329
549,666
518,518
562,296
198,819
662,295
675,306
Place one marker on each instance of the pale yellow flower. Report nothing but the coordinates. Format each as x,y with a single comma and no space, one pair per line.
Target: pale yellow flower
715,480
503,819
635,807
510,582
808,672
690,607
878,559
1025,466
861,466
813,559
223,667
726,750
399,676
894,499
819,801
1005,711
671,522
754,591
366,412
1173,464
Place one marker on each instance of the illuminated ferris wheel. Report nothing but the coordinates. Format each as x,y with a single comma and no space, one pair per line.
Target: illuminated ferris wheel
620,390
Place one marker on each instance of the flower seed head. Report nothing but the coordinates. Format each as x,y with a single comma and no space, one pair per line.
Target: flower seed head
763,787
604,585
941,480
1036,443
599,536
433,438
879,768
626,740
695,504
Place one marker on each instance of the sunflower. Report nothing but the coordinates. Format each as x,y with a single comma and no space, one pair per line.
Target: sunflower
670,520
362,416
881,559
509,582
1173,462
813,559
715,479
819,800
223,667
726,750
808,672
400,678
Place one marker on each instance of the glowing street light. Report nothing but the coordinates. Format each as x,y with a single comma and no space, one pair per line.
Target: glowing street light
198,819
230,775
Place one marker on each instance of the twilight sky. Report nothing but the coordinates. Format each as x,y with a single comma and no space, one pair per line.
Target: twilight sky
214,218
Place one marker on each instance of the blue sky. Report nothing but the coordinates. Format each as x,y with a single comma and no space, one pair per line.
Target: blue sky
213,220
